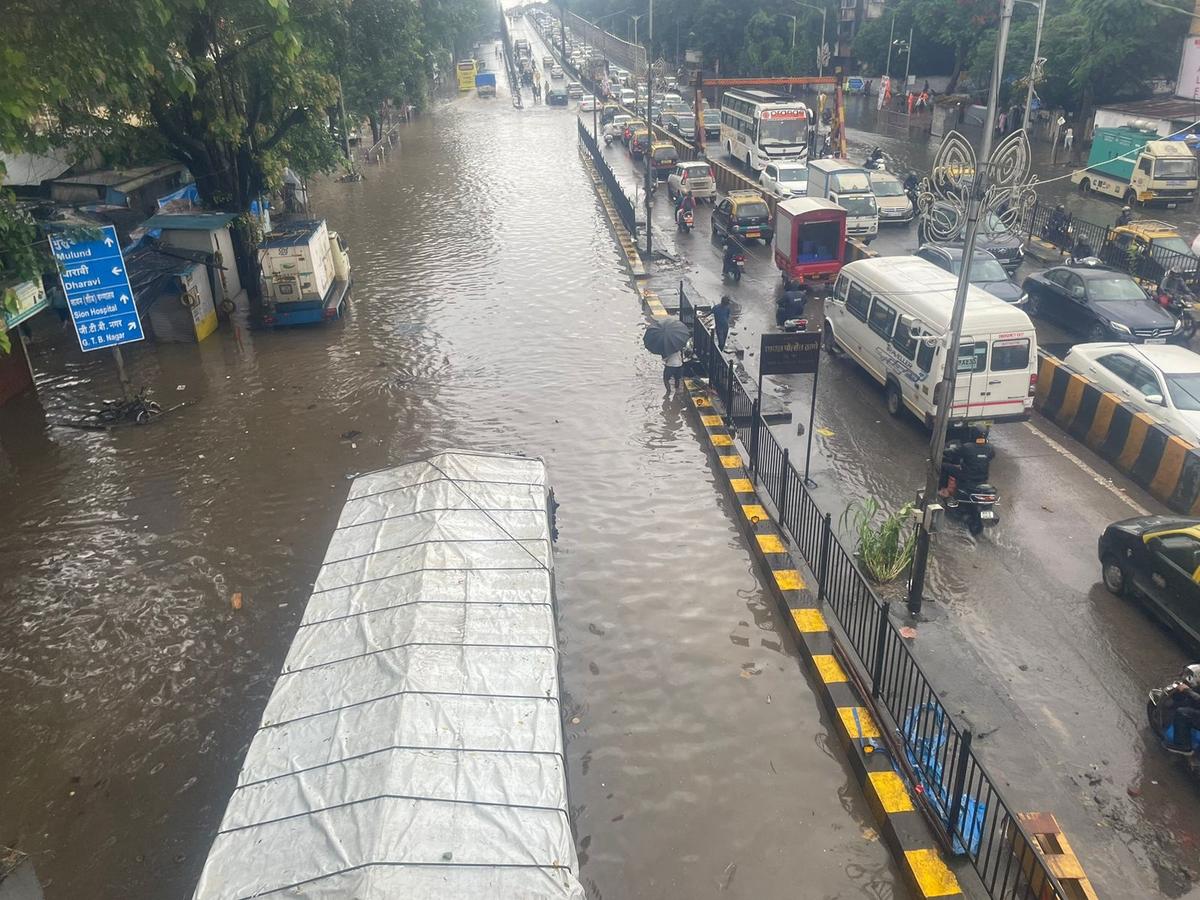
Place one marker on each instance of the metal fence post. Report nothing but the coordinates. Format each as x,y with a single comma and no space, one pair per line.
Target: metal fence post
729,384
823,567
960,778
1032,221
781,500
880,639
754,440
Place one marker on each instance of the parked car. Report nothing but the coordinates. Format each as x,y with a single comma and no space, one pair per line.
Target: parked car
695,178
994,236
574,90
556,96
1163,381
891,198
1101,304
743,214
986,271
556,72
1155,559
785,179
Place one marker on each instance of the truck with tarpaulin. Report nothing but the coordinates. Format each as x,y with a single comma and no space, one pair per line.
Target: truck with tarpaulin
485,84
1134,165
810,240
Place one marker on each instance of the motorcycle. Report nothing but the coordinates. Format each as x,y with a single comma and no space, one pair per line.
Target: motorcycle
974,504
608,139
685,220
735,270
1160,715
1181,308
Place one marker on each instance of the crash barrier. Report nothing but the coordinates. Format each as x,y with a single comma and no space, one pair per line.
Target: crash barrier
1155,458
1149,264
628,55
962,798
620,199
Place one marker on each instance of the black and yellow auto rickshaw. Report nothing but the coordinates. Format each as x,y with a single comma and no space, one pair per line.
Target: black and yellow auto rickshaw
608,111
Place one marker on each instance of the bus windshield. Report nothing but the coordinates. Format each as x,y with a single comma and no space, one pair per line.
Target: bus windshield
781,131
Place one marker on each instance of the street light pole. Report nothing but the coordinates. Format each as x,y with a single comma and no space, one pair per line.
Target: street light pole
1033,66
908,56
944,394
891,40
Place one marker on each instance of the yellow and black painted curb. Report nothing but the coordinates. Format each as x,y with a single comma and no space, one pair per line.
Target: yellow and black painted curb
653,303
628,247
903,827
1157,459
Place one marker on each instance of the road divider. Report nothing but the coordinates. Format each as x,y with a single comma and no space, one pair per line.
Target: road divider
1155,458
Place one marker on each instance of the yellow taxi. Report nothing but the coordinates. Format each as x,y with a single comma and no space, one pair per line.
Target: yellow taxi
1147,248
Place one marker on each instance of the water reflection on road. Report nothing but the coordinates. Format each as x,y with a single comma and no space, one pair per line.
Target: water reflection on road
491,310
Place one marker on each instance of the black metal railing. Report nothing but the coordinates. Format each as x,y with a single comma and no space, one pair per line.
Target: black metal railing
619,198
962,798
1148,262
510,66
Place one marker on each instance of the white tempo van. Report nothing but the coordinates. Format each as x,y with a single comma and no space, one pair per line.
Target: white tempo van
891,315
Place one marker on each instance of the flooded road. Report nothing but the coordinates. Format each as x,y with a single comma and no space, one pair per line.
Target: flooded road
1020,637
491,310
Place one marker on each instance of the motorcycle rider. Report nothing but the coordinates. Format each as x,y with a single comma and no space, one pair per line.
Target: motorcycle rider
1185,711
790,305
966,460
728,264
1081,251
1058,225
1174,287
1125,217
875,160
686,203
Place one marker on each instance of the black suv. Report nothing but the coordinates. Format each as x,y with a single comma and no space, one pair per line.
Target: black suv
1101,304
994,236
986,271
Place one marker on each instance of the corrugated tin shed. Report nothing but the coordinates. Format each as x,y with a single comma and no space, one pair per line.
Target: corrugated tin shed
412,746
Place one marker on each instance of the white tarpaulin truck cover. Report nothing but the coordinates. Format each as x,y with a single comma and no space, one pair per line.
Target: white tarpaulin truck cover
412,746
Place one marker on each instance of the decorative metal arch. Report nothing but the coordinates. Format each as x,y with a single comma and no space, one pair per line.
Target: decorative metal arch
1011,189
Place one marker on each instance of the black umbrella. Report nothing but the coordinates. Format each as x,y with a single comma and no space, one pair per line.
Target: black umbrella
666,336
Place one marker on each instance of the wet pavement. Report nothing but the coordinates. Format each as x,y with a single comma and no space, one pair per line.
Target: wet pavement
1048,668
491,310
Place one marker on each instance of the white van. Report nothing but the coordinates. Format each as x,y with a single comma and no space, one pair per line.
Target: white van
891,315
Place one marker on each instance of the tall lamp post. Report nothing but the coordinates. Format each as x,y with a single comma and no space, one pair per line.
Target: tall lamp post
793,56
1037,62
904,47
944,393
821,46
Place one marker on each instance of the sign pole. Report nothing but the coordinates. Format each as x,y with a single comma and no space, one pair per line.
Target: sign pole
812,414
126,387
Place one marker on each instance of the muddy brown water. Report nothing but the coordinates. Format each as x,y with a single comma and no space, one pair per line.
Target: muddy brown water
491,310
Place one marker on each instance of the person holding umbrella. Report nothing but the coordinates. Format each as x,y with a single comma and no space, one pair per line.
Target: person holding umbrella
667,338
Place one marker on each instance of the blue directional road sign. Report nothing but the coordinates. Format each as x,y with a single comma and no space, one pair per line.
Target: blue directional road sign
97,288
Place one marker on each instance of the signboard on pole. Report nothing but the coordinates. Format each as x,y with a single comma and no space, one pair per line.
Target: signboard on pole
97,288
790,354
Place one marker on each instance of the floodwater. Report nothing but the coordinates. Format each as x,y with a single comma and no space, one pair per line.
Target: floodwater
491,310
1019,637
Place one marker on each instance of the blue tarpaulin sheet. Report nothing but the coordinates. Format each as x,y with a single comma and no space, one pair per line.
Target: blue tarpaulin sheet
922,752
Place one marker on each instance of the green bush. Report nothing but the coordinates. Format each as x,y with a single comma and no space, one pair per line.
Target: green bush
885,542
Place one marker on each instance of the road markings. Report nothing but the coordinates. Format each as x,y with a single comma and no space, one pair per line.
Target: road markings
1101,480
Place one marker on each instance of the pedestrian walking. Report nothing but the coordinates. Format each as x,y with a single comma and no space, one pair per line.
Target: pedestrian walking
910,102
1002,123
1069,139
673,370
721,313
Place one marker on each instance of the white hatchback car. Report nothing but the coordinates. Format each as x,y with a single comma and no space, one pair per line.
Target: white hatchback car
587,103
785,179
617,125
1162,380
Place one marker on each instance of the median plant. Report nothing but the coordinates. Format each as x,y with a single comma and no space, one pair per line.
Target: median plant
885,542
